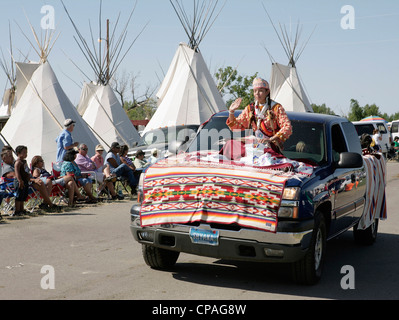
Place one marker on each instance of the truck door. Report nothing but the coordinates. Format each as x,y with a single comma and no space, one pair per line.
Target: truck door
345,185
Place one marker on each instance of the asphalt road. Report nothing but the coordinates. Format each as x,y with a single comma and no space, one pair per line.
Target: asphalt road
90,254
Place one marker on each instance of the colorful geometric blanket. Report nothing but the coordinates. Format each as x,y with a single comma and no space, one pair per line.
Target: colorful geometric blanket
183,192
375,205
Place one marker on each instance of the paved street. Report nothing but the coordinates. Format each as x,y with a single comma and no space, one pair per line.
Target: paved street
92,255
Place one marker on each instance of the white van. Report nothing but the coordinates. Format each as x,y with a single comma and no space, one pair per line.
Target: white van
369,126
394,129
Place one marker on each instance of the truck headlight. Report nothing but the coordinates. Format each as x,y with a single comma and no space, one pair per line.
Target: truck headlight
288,209
291,193
289,203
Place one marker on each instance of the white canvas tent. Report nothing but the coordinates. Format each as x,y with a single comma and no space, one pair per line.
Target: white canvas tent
8,101
23,74
39,115
188,94
103,112
7,104
285,85
286,89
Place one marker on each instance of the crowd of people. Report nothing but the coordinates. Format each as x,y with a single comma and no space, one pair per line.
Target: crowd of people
76,170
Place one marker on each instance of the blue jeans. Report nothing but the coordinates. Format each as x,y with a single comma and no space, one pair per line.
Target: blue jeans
124,171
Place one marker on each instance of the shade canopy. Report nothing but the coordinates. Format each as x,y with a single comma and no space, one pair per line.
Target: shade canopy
374,118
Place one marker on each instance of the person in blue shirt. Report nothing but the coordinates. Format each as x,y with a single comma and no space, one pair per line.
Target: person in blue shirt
116,167
65,140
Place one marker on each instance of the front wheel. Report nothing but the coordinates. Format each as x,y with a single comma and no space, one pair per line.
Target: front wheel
158,258
308,270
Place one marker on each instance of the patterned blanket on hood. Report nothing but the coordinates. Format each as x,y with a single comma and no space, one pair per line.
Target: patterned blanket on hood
199,188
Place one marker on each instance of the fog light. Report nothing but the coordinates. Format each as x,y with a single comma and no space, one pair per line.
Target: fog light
288,212
146,236
274,253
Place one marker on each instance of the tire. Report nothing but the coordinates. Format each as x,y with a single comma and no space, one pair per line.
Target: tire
308,270
158,258
368,236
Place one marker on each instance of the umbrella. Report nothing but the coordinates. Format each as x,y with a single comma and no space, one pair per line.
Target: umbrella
374,118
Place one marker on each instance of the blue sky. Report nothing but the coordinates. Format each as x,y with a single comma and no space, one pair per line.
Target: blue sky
337,65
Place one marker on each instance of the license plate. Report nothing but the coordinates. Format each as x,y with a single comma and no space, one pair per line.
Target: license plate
201,236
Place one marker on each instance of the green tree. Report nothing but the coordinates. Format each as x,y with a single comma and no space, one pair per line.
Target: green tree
234,86
322,109
371,110
357,112
142,111
395,116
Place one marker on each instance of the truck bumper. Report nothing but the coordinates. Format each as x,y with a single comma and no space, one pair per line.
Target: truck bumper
289,244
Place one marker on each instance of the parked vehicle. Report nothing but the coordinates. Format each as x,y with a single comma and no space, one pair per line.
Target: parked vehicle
394,129
223,209
369,126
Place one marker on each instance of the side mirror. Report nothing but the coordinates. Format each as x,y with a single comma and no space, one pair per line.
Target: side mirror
350,160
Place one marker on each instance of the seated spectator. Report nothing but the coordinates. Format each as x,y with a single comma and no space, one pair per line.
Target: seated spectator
98,158
396,144
140,162
120,169
124,158
7,170
23,179
70,168
86,164
154,156
39,171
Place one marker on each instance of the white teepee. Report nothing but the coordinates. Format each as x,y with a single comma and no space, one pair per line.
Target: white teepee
103,112
286,89
188,95
285,85
8,101
39,116
98,103
19,79
7,104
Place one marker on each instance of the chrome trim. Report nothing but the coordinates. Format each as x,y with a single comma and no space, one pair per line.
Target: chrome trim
283,238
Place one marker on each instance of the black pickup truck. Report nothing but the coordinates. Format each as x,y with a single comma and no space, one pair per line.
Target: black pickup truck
201,204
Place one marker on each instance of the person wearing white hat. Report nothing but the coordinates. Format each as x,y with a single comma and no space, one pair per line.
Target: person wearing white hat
65,140
154,156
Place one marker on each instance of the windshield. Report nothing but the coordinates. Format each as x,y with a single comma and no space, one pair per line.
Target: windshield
307,143
166,135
